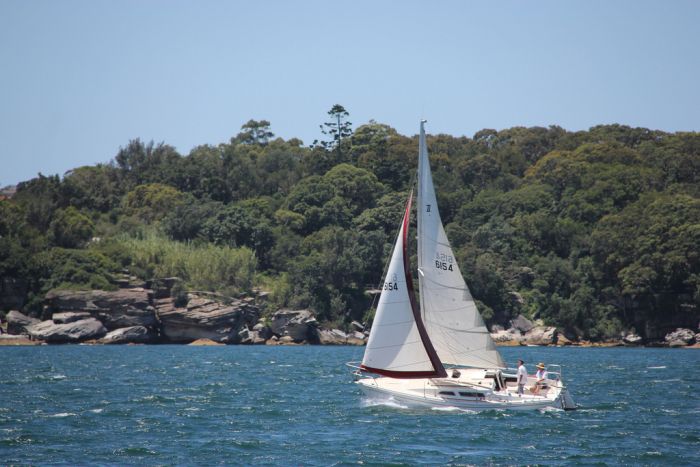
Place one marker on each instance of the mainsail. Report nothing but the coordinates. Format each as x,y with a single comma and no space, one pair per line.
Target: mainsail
453,322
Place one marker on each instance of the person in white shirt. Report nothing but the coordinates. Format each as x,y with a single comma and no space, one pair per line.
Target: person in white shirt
522,376
540,377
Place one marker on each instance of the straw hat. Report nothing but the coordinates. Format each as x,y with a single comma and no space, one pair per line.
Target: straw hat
540,366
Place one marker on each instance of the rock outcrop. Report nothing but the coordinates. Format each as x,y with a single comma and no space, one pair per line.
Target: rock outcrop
250,337
136,315
17,322
338,337
632,339
681,337
510,336
119,309
541,335
522,324
358,327
130,335
525,332
205,342
204,318
70,316
263,330
299,325
75,331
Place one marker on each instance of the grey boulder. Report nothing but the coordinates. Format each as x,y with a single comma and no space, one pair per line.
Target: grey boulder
541,335
680,337
69,332
130,335
299,325
205,318
70,316
522,324
632,339
17,322
118,309
250,337
338,337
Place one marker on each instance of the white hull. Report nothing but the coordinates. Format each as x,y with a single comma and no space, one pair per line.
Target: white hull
469,392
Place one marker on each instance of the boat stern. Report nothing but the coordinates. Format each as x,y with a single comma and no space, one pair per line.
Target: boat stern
567,402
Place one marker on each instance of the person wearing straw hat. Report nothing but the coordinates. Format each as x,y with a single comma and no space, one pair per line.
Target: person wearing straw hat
540,378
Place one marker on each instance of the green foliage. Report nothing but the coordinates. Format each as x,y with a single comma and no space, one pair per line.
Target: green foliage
185,221
337,128
152,202
70,229
593,231
179,294
651,246
93,188
255,132
143,163
60,268
238,225
39,198
334,199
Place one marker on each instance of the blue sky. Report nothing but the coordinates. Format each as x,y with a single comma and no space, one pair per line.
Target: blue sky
79,79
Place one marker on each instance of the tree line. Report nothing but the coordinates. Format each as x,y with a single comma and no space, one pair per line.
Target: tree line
595,231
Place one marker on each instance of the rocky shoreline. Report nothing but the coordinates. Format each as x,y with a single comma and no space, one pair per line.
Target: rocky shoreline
139,315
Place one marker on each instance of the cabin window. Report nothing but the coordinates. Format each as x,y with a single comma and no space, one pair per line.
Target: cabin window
447,393
471,394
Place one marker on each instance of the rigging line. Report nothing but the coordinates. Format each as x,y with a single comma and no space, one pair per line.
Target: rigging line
463,307
445,286
393,302
375,347
463,331
394,323
435,240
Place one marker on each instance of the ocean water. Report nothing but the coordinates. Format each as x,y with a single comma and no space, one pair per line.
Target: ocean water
239,405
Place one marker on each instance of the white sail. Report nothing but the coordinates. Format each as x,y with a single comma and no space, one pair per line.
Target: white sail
395,346
456,329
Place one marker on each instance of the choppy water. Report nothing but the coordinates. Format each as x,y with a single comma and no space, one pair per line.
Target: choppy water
296,405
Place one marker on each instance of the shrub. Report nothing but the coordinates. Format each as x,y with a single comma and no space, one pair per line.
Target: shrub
209,267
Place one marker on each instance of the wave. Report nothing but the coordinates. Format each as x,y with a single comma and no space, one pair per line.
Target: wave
453,409
390,402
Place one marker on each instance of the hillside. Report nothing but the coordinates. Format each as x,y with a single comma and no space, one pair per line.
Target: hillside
595,231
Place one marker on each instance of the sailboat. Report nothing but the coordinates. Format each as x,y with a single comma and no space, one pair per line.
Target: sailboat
435,350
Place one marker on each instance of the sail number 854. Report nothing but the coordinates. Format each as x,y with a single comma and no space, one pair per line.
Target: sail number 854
392,283
391,286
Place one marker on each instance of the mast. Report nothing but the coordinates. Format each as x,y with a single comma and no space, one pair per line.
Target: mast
420,208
